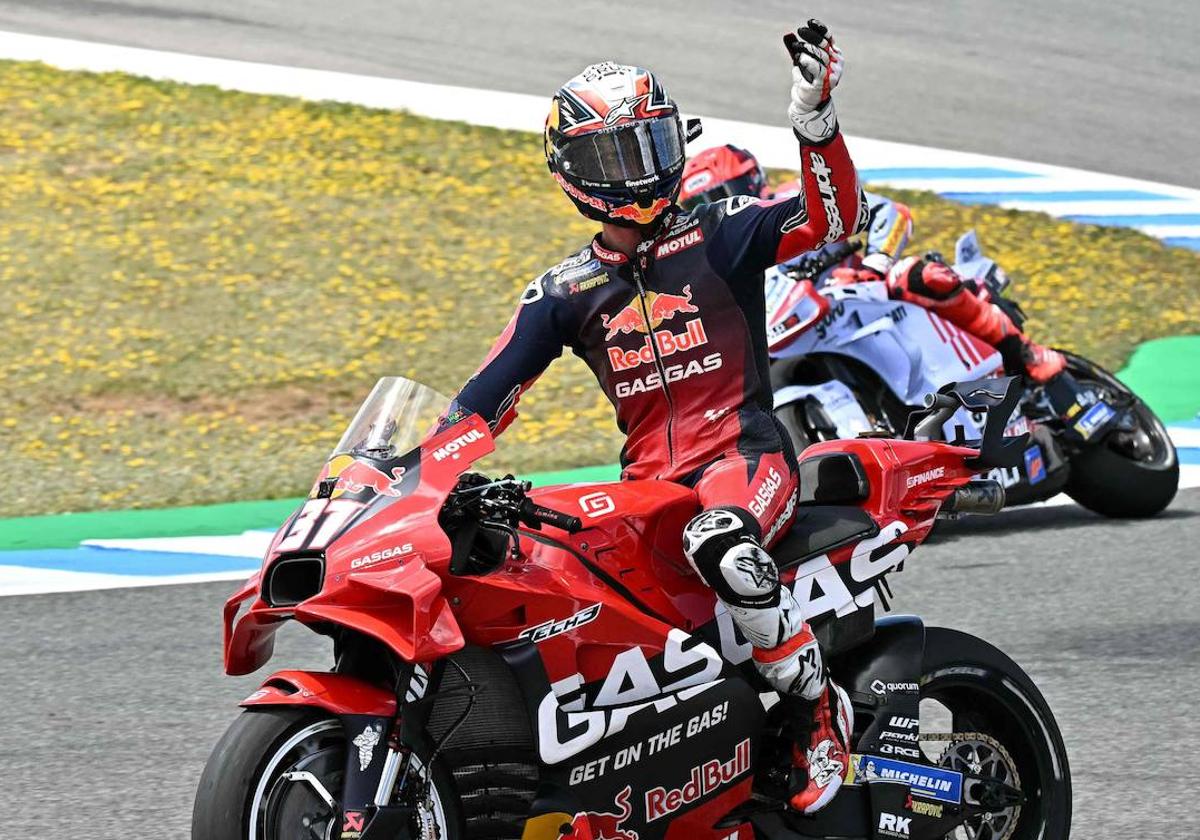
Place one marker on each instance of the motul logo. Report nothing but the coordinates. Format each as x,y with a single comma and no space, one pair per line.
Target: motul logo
451,448
668,344
702,781
679,243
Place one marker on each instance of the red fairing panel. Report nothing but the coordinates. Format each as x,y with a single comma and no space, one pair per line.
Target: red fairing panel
382,574
336,693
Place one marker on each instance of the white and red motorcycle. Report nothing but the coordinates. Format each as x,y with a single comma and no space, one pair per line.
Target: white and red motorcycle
847,360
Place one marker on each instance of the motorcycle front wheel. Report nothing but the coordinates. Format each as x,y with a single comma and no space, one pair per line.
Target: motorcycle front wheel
277,773
1133,472
998,726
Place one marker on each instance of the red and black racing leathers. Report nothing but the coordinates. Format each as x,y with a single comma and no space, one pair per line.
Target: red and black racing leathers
675,336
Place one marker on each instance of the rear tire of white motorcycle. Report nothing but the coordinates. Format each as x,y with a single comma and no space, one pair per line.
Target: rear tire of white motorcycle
237,762
1110,483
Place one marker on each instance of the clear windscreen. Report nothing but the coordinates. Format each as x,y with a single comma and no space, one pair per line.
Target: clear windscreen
397,416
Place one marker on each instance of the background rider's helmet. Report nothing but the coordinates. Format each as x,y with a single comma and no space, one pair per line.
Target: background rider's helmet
614,142
718,173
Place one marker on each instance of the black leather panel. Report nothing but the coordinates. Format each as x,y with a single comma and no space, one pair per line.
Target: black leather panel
820,528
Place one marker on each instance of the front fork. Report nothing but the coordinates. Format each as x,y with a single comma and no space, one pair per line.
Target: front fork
376,753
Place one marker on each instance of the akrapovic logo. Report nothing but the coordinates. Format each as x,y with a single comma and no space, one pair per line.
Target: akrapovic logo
924,477
452,448
828,191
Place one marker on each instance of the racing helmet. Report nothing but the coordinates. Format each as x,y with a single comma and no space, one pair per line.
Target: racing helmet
614,142
718,173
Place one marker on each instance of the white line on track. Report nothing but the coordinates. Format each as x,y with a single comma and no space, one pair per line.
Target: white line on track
774,145
929,169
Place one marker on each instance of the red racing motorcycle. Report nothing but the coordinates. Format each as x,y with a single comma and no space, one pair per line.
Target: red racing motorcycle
543,664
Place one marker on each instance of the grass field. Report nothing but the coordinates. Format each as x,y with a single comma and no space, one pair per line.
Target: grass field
197,287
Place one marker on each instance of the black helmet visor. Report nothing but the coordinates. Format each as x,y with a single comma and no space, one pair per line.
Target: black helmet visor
632,152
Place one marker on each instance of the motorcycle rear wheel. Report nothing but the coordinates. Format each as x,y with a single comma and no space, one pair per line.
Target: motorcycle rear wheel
243,792
1113,478
985,692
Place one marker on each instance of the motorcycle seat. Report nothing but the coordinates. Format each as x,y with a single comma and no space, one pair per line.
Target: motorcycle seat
822,528
833,478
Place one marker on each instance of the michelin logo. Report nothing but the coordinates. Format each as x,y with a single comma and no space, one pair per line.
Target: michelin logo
922,779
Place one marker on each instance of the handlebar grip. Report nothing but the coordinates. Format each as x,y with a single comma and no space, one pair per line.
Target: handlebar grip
568,523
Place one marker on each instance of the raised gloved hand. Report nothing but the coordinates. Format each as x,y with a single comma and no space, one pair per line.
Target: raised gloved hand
817,69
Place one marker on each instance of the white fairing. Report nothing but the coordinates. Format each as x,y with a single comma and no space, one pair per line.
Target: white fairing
838,401
912,350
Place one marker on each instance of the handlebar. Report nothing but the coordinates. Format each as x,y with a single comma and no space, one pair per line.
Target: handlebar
564,521
812,266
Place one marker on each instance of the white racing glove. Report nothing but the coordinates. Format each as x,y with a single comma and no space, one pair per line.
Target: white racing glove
817,69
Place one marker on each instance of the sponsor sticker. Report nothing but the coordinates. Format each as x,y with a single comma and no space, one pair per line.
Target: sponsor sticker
894,825
451,449
1035,465
702,780
679,243
930,782
1094,419
924,477
548,629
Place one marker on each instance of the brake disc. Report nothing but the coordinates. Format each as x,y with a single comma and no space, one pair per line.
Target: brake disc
982,756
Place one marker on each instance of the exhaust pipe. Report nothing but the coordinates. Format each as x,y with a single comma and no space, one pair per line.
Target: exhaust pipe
979,496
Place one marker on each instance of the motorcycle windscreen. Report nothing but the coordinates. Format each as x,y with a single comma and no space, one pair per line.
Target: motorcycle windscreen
381,446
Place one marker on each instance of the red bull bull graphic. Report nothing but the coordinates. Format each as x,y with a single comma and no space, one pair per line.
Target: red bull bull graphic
605,826
354,476
661,306
641,215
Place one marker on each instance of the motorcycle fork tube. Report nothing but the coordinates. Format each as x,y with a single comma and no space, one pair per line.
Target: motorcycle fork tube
640,281
374,755
367,755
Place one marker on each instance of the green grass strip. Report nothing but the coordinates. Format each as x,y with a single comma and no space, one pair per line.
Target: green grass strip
67,530
1166,374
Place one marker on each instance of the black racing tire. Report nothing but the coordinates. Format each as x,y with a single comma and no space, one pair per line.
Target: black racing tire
228,785
1108,481
988,693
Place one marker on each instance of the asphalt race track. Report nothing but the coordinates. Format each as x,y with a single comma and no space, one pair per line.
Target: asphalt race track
1108,86
114,698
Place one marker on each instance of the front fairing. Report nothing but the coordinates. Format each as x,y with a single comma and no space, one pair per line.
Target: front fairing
382,554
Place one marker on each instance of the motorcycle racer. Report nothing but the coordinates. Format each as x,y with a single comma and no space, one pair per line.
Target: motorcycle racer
667,309
728,170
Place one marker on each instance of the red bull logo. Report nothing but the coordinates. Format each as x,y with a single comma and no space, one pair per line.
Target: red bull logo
702,781
660,306
666,342
640,215
605,826
354,476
